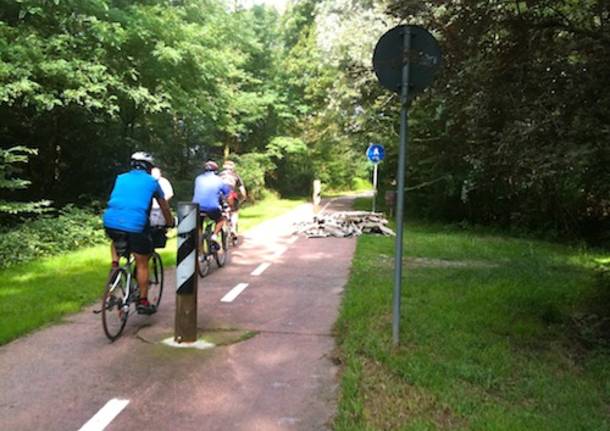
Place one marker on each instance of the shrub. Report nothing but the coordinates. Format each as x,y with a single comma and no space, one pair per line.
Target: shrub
252,168
71,229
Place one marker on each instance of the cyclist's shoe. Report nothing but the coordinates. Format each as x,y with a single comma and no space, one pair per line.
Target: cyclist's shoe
145,307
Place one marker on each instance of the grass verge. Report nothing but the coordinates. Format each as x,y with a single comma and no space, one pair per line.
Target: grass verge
497,333
40,292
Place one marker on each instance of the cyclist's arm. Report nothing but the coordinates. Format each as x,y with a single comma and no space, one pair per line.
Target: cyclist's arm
159,195
166,211
242,189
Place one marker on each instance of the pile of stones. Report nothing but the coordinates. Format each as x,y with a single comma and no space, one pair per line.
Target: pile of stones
343,224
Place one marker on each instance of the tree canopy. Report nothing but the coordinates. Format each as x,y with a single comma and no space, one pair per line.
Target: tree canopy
515,131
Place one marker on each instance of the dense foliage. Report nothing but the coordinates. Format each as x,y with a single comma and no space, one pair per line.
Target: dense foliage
86,83
50,235
514,132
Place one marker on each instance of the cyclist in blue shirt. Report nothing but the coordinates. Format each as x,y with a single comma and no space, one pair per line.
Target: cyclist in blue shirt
210,190
127,215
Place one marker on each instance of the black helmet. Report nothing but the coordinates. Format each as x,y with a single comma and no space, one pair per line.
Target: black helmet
210,166
141,160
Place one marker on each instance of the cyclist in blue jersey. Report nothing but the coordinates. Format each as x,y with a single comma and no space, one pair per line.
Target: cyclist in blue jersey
209,193
127,218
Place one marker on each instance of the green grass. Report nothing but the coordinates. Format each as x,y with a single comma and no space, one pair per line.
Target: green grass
272,206
44,291
497,333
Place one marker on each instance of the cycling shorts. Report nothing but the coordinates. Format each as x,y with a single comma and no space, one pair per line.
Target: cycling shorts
213,213
140,243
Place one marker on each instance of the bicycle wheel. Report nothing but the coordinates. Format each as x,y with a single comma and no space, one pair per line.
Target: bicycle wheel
220,255
114,313
155,279
203,263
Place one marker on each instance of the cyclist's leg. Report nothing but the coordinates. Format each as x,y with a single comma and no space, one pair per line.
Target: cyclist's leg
219,224
142,273
114,255
216,215
142,247
235,213
115,235
234,219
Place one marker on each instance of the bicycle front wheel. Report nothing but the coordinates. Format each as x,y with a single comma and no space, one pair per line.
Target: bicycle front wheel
155,279
115,311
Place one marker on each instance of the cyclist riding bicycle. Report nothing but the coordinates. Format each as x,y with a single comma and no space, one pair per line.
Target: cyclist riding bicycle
238,190
210,190
127,218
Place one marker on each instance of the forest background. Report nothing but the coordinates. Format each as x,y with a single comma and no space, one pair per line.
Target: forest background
514,133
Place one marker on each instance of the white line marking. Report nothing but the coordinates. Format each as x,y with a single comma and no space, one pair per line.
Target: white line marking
279,252
107,413
233,293
261,268
293,239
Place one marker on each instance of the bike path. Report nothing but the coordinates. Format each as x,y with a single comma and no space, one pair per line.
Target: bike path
281,378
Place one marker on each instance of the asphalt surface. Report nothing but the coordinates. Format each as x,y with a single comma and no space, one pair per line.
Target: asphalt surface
273,369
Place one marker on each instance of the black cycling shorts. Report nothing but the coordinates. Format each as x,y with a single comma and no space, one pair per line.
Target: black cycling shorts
140,243
215,214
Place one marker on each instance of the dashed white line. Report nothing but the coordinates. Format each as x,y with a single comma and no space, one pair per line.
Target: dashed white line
261,268
293,239
107,413
233,293
279,252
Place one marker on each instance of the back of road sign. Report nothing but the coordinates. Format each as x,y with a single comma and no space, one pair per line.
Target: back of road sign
424,58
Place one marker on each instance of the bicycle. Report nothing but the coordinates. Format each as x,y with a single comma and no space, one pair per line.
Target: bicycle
208,249
122,290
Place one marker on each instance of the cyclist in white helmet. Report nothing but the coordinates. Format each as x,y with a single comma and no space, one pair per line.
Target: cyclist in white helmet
127,218
238,190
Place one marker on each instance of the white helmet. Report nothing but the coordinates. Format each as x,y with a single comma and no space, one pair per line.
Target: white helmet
142,160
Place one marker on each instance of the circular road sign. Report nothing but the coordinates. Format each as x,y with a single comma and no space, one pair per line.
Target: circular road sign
375,153
424,58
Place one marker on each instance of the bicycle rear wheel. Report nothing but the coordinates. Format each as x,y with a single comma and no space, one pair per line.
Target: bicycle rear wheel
203,263
155,279
114,314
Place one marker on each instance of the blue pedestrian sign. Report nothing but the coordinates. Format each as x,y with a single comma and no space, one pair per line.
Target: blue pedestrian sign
375,153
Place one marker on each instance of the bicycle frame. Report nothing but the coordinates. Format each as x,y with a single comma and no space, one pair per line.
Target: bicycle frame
129,269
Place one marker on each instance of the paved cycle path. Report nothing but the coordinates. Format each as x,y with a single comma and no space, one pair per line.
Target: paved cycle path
280,378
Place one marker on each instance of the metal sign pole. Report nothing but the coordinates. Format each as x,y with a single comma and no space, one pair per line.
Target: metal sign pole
404,95
374,185
186,278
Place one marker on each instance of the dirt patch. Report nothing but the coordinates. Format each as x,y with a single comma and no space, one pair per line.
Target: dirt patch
390,403
216,336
